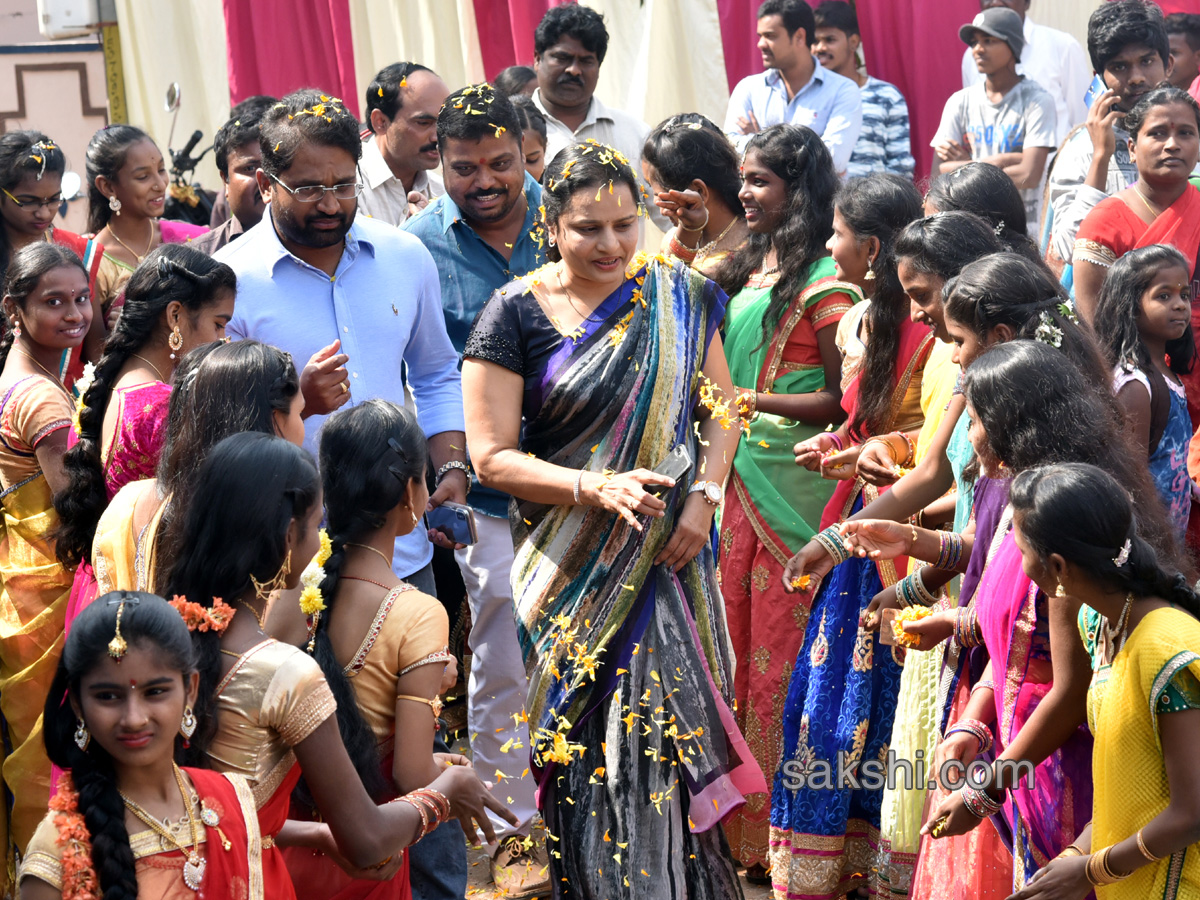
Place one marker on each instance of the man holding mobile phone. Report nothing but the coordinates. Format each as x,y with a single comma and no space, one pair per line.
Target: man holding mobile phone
484,232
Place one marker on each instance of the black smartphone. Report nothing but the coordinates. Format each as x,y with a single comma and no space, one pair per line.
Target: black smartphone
677,464
455,521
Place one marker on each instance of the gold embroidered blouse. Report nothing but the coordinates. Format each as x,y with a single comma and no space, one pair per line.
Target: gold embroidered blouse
410,630
272,699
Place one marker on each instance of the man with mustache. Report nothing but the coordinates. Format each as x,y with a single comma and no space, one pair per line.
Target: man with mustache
483,233
400,152
1127,41
796,89
568,48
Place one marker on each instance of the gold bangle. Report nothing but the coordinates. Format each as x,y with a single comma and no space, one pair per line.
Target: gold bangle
1071,850
1098,871
1145,851
914,535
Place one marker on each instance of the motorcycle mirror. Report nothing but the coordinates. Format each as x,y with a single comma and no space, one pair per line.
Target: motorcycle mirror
174,96
71,183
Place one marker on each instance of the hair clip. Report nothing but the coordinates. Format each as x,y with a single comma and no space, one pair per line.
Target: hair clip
999,229
1123,557
397,449
44,148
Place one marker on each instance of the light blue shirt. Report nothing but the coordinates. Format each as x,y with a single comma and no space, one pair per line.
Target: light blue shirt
383,303
830,104
469,270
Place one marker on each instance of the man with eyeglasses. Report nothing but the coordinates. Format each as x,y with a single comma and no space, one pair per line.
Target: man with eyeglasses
31,173
357,298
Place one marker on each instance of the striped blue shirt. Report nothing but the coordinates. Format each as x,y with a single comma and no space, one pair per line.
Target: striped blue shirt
883,145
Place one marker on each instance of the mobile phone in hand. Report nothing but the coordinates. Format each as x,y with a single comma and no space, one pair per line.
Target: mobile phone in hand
455,521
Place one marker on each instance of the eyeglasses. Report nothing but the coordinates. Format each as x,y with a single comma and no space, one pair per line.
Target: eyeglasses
36,202
311,193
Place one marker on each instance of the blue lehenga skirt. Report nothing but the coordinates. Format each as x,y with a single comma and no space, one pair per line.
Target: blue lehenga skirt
840,706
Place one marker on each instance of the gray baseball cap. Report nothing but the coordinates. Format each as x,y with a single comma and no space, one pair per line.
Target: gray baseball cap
1000,22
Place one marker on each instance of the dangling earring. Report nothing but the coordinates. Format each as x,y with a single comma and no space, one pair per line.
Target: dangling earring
870,276
1060,591
114,204
187,727
415,518
263,590
82,736
16,328
175,341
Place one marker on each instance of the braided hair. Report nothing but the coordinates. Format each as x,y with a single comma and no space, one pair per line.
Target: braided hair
173,273
1083,514
236,387
25,271
149,621
370,454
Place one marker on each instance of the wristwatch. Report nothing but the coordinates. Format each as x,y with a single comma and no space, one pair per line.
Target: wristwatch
454,464
713,493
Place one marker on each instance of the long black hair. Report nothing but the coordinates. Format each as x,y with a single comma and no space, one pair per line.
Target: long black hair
171,273
798,156
1007,289
369,455
248,491
1120,305
879,206
25,153
985,190
1036,407
25,270
690,146
235,387
1083,514
106,153
147,620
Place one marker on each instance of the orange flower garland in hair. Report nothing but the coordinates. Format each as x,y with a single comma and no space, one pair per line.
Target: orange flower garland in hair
202,618
79,880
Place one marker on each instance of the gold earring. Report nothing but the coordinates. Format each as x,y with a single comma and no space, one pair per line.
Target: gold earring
1060,591
870,276
82,736
264,589
187,726
175,341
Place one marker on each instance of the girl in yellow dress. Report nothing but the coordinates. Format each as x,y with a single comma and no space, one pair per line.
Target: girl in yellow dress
1075,529
47,309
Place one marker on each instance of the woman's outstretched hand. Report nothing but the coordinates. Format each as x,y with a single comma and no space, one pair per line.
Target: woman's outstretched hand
469,801
877,538
812,562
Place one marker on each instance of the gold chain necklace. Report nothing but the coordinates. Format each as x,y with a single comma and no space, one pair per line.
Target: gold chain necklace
33,360
149,243
150,364
705,249
254,612
1154,212
193,869
373,550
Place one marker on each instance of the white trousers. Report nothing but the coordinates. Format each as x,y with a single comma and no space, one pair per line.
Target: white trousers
497,686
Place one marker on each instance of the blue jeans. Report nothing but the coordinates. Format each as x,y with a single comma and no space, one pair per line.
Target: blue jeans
437,866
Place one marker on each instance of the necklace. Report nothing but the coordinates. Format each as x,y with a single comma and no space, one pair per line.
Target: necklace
368,581
570,299
1154,212
705,249
193,869
151,365
149,243
1118,633
372,549
33,360
257,617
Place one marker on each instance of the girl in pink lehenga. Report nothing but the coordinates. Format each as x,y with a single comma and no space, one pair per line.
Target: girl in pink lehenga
178,299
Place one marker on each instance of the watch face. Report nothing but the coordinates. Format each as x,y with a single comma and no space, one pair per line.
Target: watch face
713,492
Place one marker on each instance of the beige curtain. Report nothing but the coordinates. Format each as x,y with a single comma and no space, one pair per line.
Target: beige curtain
440,34
1070,16
183,41
664,57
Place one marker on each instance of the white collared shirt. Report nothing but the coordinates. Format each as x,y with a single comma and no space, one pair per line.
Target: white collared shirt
1056,61
384,197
